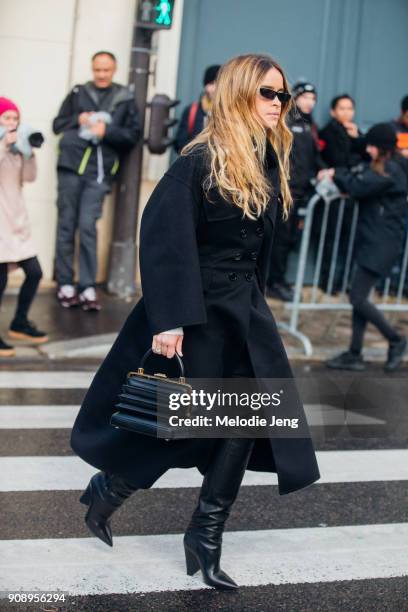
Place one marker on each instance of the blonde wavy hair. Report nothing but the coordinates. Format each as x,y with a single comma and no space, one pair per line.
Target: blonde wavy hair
236,138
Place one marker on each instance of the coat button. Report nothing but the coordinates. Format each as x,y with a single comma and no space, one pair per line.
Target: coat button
237,256
232,276
248,276
243,233
259,230
253,255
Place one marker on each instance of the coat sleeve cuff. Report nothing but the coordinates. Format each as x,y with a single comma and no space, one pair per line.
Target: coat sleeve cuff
176,330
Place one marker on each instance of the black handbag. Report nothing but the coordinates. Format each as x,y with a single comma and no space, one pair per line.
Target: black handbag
144,401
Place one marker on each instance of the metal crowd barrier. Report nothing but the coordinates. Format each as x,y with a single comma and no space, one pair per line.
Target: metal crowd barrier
319,301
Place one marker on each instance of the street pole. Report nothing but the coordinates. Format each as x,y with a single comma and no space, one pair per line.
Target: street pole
123,255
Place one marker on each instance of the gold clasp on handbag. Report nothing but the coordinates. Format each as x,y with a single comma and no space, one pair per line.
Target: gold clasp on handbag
140,371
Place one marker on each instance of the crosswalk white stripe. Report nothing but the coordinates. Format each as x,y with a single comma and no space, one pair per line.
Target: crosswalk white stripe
85,566
71,473
38,417
46,380
63,416
317,414
144,564
329,416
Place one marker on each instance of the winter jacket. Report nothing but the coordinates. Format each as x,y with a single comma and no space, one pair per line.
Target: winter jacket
305,155
80,155
340,149
16,243
381,227
186,132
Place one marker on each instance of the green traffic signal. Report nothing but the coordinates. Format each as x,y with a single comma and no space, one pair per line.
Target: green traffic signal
155,14
164,16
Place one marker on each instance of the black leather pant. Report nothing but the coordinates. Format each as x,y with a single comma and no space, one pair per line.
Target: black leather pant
242,447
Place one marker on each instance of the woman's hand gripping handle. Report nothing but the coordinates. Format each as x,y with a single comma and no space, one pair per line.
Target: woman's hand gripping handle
168,343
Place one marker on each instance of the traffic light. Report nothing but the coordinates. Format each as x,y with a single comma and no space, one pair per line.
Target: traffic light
155,14
158,138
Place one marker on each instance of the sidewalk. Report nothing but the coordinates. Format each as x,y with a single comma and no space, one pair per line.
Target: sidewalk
78,335
73,333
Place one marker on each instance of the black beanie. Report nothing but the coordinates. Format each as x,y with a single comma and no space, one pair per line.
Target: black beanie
382,135
302,87
210,74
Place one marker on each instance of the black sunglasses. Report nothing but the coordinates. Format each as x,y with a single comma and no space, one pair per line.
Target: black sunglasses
270,94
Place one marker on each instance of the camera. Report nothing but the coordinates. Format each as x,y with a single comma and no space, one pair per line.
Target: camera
27,139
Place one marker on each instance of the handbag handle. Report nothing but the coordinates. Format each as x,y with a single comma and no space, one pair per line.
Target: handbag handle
149,352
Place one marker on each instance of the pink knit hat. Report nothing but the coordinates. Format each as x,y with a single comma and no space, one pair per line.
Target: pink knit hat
7,105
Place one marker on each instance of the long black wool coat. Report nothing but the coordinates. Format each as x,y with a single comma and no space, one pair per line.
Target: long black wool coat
203,267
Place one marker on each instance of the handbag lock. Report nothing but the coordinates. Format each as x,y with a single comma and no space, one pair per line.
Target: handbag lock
140,371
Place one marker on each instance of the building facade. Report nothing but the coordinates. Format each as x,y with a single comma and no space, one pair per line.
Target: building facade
357,46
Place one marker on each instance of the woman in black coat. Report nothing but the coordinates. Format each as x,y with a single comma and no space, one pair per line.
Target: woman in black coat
381,188
205,242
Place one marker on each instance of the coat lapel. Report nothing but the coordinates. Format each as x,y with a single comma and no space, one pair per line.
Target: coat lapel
218,209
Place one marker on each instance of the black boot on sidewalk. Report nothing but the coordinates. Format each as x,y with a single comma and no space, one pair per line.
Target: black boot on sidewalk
203,537
6,350
23,329
104,494
347,361
396,352
280,291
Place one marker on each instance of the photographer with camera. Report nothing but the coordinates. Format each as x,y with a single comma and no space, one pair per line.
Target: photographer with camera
99,125
17,165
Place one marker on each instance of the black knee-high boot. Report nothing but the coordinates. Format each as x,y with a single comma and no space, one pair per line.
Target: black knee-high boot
104,494
203,537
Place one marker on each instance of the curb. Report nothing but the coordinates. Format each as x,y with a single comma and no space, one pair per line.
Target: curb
97,346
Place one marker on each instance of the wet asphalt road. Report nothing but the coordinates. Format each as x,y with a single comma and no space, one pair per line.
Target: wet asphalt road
36,515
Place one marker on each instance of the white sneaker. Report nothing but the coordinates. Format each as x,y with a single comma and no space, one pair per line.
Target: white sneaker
89,299
88,294
67,296
67,291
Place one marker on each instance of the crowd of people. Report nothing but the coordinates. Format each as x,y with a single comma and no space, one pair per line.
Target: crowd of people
98,123
371,168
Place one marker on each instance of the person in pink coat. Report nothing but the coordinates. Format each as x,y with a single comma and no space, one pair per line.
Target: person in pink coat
16,245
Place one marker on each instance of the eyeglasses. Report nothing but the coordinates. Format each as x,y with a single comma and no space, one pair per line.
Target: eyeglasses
270,94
